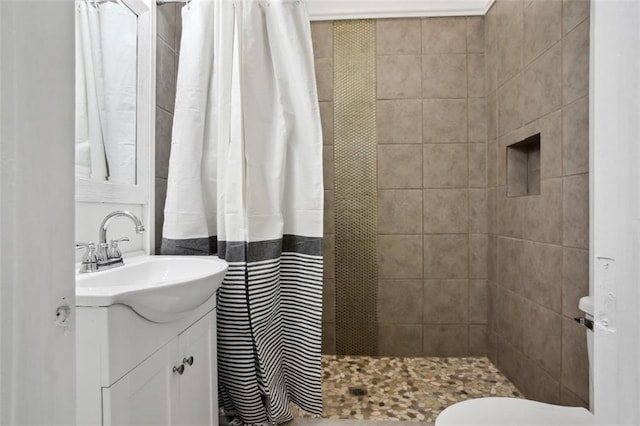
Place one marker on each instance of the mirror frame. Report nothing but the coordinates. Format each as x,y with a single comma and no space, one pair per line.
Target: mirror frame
88,190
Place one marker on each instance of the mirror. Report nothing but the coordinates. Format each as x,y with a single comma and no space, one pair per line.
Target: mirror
115,95
106,91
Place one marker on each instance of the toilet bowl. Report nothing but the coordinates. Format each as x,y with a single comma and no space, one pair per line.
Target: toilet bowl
520,412
512,412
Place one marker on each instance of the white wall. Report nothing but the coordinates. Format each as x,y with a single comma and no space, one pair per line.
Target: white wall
615,209
37,357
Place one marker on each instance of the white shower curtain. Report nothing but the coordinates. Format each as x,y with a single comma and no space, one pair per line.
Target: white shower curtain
106,65
245,177
91,161
119,42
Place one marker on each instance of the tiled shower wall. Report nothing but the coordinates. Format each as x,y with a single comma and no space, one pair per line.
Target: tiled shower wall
432,215
167,51
537,64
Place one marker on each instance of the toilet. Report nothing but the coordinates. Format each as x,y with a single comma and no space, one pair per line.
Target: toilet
519,412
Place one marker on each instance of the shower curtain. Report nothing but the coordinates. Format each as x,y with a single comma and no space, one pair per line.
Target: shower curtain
106,73
245,180
91,161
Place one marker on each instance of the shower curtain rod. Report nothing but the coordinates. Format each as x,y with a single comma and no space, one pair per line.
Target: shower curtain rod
170,1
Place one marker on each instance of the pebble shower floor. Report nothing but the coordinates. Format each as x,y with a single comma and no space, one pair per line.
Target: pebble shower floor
412,389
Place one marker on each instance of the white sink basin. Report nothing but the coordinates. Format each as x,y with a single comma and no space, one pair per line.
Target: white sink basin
158,288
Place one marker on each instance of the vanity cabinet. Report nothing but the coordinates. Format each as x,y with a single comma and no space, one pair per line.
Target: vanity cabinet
131,368
145,396
174,386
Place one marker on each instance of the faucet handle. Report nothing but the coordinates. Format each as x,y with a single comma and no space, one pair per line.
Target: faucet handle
114,251
89,260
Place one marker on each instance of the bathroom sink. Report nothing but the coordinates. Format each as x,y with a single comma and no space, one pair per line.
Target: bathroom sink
159,288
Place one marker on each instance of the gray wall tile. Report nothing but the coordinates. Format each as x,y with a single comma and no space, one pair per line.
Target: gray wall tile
492,116
400,340
575,137
542,27
477,120
164,125
322,38
477,165
542,274
400,211
399,121
329,212
510,106
575,280
575,365
476,75
543,213
400,256
166,24
511,362
329,301
400,301
399,77
510,215
446,301
543,338
538,385
510,38
475,34
491,48
573,13
576,211
444,120
478,255
328,338
575,63
326,117
160,198
398,36
543,89
478,211
445,166
399,166
166,62
478,301
570,399
444,76
444,35
446,340
324,78
446,211
329,256
328,168
477,340
446,256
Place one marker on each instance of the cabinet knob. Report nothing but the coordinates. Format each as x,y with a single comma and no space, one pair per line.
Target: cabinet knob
188,360
179,369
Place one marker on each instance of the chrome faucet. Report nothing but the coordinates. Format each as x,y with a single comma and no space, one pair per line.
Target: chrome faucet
108,254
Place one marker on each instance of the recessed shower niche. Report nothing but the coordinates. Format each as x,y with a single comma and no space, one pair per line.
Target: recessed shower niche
523,167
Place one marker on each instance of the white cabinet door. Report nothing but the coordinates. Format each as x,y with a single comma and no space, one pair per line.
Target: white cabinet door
198,394
147,394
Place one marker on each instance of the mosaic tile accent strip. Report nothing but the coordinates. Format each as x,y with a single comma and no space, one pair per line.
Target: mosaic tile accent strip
355,183
410,389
